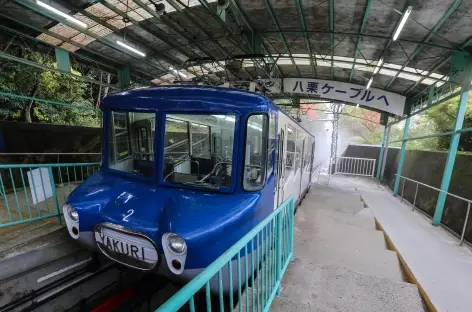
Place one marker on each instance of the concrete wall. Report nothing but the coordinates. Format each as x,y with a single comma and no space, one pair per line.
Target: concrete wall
427,167
18,137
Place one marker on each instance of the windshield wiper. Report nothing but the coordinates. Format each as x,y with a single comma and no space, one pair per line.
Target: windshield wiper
203,184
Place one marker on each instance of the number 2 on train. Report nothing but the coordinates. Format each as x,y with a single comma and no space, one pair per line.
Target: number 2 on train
129,214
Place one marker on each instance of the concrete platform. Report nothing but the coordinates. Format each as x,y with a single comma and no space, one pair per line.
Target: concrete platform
333,288
341,261
439,264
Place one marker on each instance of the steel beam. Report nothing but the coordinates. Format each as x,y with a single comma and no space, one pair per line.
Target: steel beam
251,29
402,156
112,62
351,62
42,30
176,5
355,34
282,37
213,13
331,34
135,22
359,38
182,34
418,48
220,21
121,33
451,157
437,65
102,40
52,69
305,36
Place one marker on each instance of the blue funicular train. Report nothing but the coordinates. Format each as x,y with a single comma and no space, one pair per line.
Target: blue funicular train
186,172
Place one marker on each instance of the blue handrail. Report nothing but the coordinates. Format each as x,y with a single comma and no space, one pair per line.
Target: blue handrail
274,242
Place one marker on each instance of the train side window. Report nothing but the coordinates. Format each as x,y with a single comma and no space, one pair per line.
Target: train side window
271,145
255,159
298,150
290,158
307,155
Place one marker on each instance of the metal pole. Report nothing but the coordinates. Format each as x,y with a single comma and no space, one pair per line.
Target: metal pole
465,223
278,249
382,147
403,188
414,200
384,161
451,157
402,156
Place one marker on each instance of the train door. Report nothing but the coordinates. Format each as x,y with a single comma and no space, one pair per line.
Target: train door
302,156
280,168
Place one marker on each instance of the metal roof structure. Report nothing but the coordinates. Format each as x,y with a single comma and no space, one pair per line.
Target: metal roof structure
341,40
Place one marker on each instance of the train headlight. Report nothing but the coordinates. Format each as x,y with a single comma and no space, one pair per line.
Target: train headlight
72,213
176,243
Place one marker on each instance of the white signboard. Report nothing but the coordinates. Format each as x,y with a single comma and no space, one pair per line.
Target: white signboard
379,99
40,188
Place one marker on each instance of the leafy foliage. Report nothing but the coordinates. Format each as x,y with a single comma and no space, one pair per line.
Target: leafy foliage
443,117
21,79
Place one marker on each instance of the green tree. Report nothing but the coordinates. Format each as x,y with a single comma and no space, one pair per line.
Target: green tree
443,117
22,79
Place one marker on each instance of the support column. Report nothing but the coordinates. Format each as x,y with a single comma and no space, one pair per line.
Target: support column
385,154
451,157
402,156
124,79
379,162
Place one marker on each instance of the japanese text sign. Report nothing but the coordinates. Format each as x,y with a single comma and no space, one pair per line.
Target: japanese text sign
379,99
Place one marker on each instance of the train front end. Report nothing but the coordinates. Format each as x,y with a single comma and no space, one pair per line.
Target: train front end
167,198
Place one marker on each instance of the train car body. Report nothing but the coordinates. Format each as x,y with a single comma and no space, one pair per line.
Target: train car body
186,172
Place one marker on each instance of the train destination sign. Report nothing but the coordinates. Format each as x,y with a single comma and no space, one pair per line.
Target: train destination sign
357,94
125,248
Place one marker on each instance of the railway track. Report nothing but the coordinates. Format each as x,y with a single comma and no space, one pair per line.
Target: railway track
37,298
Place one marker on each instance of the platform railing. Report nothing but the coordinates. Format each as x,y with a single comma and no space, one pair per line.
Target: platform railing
55,156
355,166
268,248
468,201
31,192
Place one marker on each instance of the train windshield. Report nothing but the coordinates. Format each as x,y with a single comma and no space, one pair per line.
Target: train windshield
131,142
198,150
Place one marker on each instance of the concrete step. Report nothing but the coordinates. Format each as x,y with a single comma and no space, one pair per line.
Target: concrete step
350,204
381,263
324,215
363,259
307,286
340,235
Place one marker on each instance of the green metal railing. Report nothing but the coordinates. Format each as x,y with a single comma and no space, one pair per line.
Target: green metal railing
31,192
259,259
